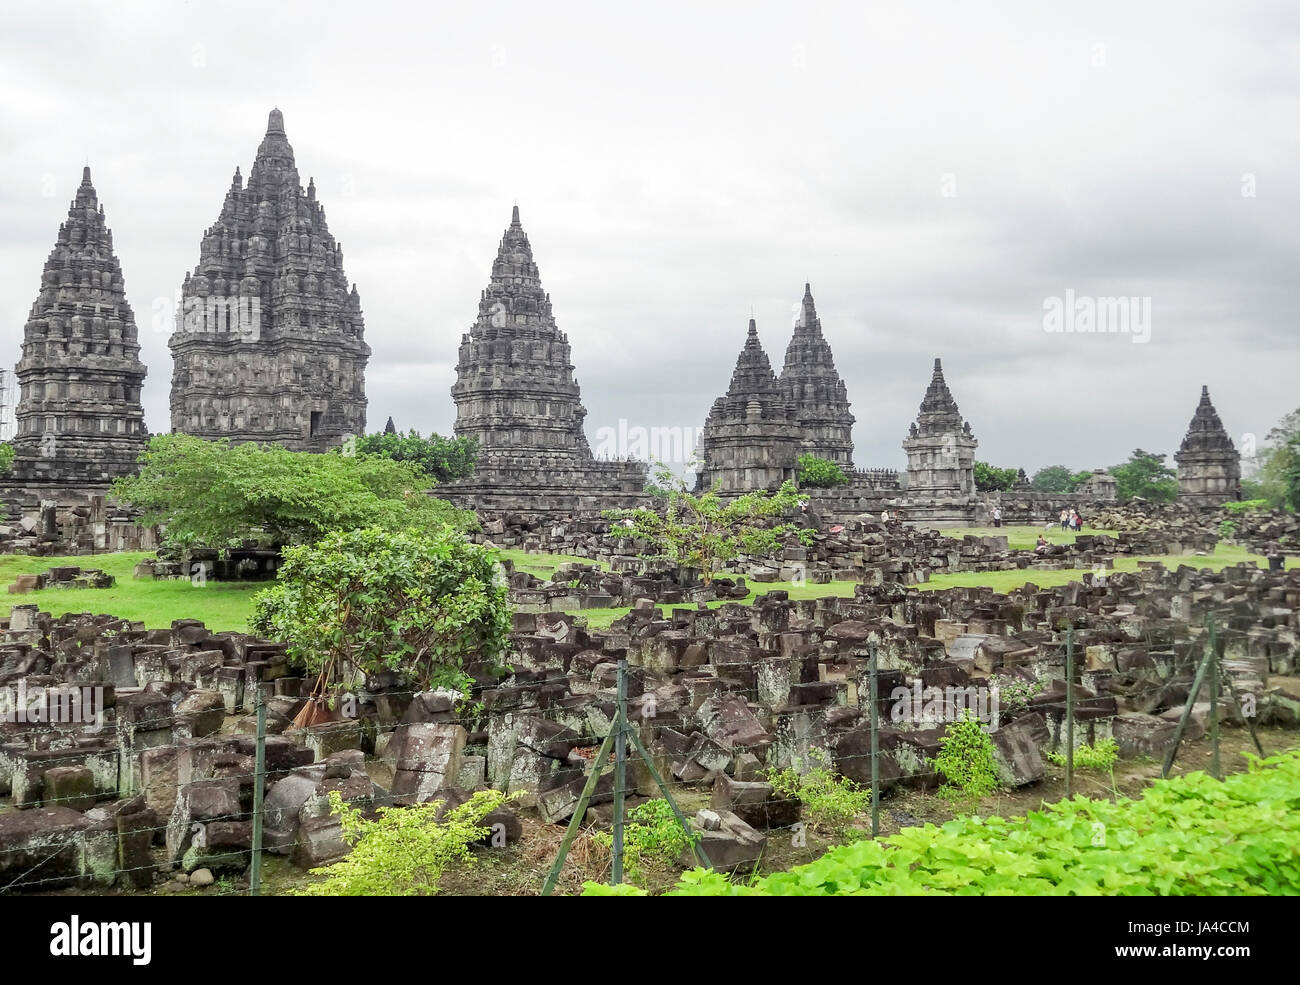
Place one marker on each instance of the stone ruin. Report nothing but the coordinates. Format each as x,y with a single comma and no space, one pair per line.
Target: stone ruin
1209,468
63,576
821,400
79,417
751,438
269,343
516,394
161,778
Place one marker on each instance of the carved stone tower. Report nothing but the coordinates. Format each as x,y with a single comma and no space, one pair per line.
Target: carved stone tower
940,447
515,393
751,439
270,342
820,398
1209,468
79,419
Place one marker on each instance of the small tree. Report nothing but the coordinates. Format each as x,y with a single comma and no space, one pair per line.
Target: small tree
442,459
404,851
1058,479
1145,474
215,494
704,531
991,479
820,473
967,761
369,600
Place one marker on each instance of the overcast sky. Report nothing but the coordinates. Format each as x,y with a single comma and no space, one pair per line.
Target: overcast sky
937,171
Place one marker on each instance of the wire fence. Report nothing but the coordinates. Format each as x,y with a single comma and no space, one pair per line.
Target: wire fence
587,742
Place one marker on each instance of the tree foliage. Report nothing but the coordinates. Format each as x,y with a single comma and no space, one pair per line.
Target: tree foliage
989,478
820,473
6,456
704,530
441,458
425,606
1279,466
215,494
1145,474
1058,479
404,851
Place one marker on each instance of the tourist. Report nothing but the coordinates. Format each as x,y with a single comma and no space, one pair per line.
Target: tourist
1042,544
1075,522
1065,518
997,516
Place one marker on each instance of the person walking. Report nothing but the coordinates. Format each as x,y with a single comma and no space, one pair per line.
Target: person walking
1065,518
997,516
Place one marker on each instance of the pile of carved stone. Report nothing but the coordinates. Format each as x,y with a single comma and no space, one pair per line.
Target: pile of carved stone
574,586
54,529
65,576
132,756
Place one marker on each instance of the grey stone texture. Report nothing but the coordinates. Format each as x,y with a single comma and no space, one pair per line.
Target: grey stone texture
79,418
269,344
515,393
1209,468
820,397
752,436
940,447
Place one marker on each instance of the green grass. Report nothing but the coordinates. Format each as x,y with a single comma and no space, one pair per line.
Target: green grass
226,605
541,565
220,605
1005,581
1024,537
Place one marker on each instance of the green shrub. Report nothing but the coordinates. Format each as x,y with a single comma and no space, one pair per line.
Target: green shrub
403,851
1227,527
830,801
1100,756
6,456
820,473
369,600
966,760
1243,505
1188,836
652,837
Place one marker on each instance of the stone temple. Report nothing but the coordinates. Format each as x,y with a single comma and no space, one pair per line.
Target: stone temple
1209,468
270,342
516,394
752,436
821,401
79,419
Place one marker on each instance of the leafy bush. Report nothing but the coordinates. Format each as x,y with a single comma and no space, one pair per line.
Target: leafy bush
6,456
1100,756
403,851
820,473
830,801
215,494
440,458
1241,506
989,478
369,600
1188,836
704,531
652,836
966,761
1227,527
1145,474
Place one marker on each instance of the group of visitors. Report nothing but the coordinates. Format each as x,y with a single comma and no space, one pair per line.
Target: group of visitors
1070,520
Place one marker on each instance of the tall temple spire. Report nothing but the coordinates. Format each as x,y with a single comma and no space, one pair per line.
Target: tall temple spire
940,447
1209,468
505,401
270,341
820,397
517,397
79,417
750,439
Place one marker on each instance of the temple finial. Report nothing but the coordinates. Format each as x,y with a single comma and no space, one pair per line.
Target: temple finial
275,122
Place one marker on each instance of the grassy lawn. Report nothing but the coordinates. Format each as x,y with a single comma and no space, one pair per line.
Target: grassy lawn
226,605
221,605
541,565
1023,537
